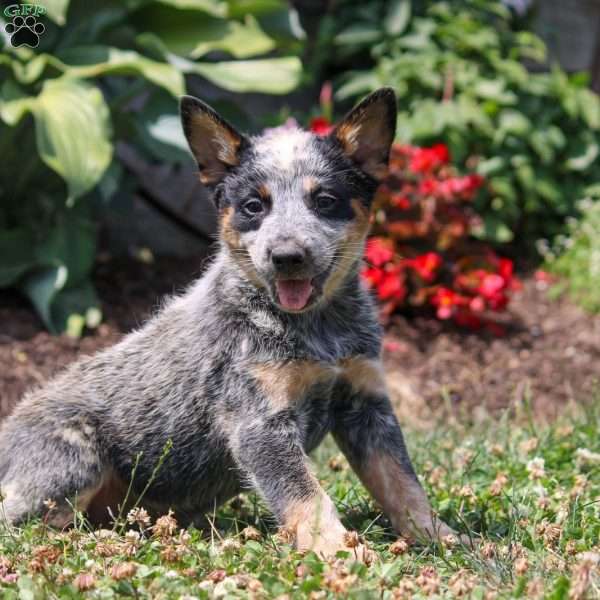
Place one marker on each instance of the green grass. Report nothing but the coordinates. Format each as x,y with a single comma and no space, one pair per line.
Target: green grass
532,492
576,259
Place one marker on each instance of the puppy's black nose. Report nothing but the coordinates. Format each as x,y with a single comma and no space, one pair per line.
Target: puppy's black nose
288,258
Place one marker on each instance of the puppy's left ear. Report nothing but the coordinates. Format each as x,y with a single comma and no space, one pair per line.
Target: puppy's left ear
367,132
214,143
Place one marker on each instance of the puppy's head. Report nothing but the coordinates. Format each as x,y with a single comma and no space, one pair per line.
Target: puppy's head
293,206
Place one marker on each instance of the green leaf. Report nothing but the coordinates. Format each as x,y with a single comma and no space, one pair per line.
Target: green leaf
72,129
593,190
95,61
212,7
16,255
57,10
583,155
397,17
14,103
239,40
358,34
589,104
357,83
62,309
494,229
270,76
179,29
515,123
159,128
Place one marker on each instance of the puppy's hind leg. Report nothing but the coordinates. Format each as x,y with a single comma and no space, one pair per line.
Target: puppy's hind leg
62,465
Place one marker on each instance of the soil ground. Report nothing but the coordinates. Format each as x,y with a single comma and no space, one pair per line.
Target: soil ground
550,353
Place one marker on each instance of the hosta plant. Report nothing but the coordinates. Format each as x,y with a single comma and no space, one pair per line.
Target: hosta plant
106,73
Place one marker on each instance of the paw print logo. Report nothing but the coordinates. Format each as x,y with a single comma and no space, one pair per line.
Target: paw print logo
25,31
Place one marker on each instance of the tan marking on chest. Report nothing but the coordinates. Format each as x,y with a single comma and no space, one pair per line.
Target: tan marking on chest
365,375
286,383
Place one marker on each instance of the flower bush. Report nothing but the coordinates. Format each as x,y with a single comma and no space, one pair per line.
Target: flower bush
422,255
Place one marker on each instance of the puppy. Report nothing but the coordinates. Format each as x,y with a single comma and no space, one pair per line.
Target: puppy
276,345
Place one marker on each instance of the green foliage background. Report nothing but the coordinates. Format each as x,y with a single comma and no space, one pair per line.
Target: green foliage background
103,73
465,72
467,75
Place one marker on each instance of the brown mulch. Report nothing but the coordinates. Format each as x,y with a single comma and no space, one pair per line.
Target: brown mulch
550,353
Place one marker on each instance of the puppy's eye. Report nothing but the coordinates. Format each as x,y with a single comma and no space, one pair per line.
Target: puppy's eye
325,202
252,207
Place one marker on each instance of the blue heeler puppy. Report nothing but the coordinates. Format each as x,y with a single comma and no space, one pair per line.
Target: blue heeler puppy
276,345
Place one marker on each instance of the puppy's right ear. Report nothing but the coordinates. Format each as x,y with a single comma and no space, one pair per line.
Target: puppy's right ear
215,144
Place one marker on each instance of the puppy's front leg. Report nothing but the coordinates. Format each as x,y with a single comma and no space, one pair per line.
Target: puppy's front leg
269,450
367,431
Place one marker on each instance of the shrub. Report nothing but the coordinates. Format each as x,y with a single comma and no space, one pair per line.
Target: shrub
575,257
106,73
459,69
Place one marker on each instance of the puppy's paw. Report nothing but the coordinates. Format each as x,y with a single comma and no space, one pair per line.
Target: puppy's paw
328,542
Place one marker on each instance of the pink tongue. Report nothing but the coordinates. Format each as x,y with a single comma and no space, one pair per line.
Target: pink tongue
294,293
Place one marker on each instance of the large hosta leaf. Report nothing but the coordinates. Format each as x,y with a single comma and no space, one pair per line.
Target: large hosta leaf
213,7
270,76
53,271
57,10
94,61
72,127
241,40
158,126
63,309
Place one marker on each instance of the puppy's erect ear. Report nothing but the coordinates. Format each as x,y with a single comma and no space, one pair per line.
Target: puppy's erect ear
213,141
367,132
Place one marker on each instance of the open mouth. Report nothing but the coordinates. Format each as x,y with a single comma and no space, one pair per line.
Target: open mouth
294,294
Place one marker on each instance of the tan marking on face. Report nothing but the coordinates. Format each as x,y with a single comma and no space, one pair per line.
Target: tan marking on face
401,496
350,248
264,192
365,375
315,524
228,232
284,384
239,252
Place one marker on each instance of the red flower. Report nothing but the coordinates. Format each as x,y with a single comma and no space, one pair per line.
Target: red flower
379,251
425,160
460,187
372,275
426,265
428,187
491,284
320,126
446,301
477,304
392,285
506,269
400,201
